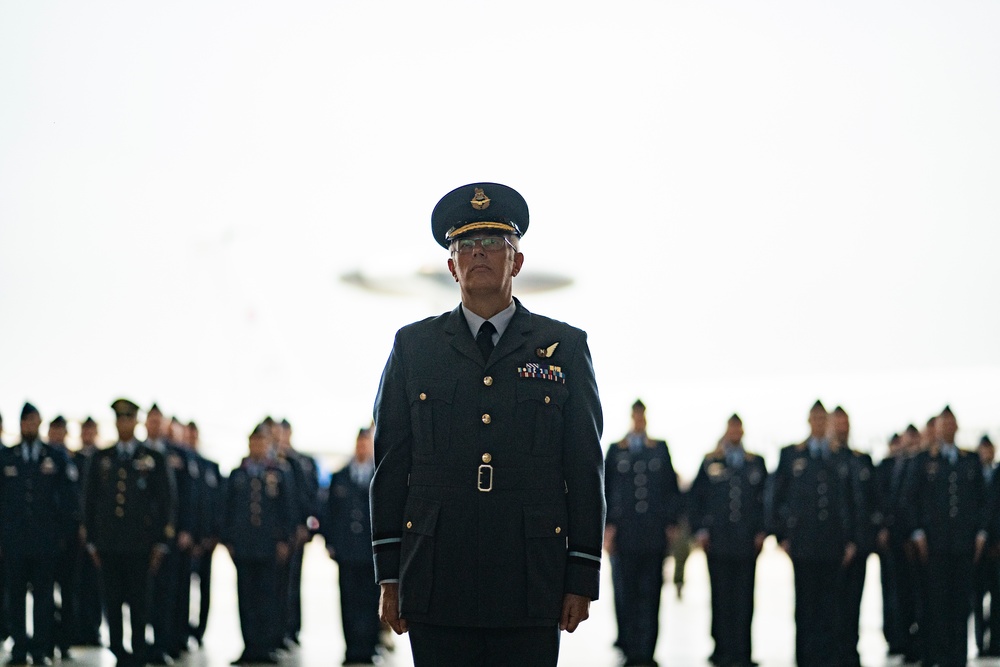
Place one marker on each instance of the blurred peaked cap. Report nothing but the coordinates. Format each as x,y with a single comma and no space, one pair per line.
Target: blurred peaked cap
638,405
839,411
89,421
28,410
191,424
735,418
947,411
894,438
479,207
818,405
59,421
911,429
985,441
125,408
268,420
154,408
285,423
261,430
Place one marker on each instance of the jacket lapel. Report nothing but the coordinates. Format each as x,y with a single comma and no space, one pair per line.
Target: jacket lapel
461,337
514,336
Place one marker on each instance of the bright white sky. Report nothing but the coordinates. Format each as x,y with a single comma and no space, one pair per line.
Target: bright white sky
760,203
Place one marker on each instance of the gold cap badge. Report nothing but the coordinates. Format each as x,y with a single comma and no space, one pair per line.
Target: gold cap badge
480,201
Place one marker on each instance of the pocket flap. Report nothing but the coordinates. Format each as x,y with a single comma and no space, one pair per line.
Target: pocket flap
545,521
542,391
431,389
420,516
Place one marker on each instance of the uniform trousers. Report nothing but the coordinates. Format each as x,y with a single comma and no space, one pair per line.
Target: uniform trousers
949,587
987,617
732,583
359,596
87,612
637,580
126,581
64,629
182,606
256,590
203,568
816,602
38,572
889,577
436,645
283,572
849,609
164,609
295,592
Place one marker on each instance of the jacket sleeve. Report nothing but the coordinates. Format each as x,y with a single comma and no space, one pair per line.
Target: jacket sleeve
393,445
583,470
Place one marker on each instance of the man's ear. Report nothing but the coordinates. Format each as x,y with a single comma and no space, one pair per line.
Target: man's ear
451,267
518,261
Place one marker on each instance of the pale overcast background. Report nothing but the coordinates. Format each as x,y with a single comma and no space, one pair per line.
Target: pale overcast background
759,204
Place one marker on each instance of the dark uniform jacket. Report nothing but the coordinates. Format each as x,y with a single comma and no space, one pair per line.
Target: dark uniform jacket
947,501
728,502
487,500
210,499
260,509
856,472
890,480
38,500
811,506
128,503
346,520
642,496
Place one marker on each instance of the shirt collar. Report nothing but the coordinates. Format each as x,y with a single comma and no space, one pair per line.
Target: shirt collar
500,320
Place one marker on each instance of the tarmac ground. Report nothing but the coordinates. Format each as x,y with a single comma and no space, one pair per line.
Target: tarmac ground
684,622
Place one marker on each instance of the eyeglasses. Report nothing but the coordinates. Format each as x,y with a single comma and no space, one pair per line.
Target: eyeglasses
487,243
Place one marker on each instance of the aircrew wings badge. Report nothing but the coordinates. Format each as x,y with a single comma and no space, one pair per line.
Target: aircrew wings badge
547,352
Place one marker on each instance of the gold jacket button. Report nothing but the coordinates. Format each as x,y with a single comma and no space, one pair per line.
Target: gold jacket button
423,396
488,380
547,400
119,512
487,419
487,458
558,530
409,524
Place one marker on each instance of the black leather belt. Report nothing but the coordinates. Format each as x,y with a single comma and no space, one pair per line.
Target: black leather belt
486,477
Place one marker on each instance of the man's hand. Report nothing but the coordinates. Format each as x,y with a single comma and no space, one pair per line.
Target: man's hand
156,557
758,543
609,539
576,610
388,609
301,536
920,544
281,551
94,556
882,540
184,540
701,539
850,550
785,545
980,546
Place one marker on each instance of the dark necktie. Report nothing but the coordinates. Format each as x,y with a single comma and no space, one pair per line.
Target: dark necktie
484,339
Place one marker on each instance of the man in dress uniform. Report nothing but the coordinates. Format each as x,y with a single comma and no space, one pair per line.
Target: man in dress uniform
946,507
726,507
127,520
210,510
856,472
70,551
306,476
487,510
88,613
888,480
346,527
987,574
643,503
812,517
258,527
38,502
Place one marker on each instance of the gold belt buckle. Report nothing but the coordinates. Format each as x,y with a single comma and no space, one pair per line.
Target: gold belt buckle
485,469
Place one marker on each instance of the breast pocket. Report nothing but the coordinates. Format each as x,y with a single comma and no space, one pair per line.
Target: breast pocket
416,566
540,415
431,413
545,555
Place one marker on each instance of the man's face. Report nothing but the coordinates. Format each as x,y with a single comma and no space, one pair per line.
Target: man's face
29,426
154,424
57,435
841,426
364,448
947,427
191,436
639,421
284,437
734,432
258,446
126,426
986,454
485,272
88,434
817,423
930,434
